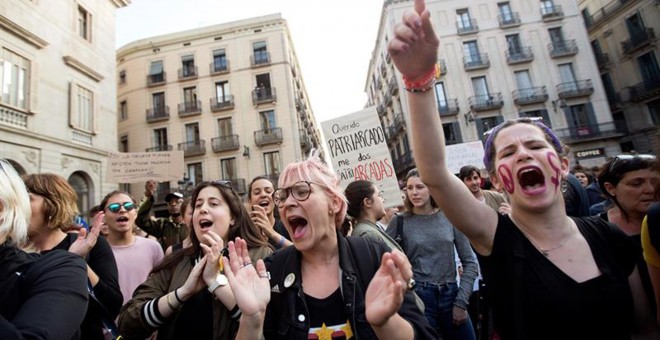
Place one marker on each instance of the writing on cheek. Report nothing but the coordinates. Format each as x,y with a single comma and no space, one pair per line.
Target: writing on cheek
554,165
506,177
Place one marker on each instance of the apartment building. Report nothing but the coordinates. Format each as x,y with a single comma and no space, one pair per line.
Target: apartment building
501,60
622,36
230,96
57,90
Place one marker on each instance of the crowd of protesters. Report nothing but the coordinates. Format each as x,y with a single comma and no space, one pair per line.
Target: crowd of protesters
525,248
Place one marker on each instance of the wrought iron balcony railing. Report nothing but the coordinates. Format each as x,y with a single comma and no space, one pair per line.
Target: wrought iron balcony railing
193,148
225,143
222,103
485,102
158,113
572,89
530,95
268,136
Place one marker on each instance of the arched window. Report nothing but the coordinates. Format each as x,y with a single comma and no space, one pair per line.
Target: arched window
79,182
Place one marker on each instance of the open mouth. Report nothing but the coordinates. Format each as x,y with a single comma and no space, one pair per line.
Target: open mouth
298,226
532,180
264,203
204,224
122,219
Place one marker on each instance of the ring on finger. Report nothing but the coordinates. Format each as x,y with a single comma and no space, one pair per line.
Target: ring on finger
411,284
246,264
265,276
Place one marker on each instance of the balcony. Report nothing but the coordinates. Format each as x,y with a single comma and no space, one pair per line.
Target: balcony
193,148
443,67
602,59
188,73
448,107
476,62
562,48
381,109
192,108
530,95
300,104
156,79
403,163
263,95
573,89
158,114
486,102
644,90
387,101
268,136
606,12
225,143
305,141
222,104
517,56
585,133
219,67
467,27
383,70
550,13
159,148
392,86
238,184
260,59
399,123
639,39
510,20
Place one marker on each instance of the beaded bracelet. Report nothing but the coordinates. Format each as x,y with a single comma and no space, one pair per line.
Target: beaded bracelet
426,83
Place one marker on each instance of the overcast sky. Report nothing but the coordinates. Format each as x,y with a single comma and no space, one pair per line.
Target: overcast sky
333,39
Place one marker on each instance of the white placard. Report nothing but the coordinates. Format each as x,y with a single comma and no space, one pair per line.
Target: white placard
459,155
133,167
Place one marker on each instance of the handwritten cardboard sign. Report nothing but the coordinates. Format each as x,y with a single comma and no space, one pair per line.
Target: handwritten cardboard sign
132,167
459,155
358,150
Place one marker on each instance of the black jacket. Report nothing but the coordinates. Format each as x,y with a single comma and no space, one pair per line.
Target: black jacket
359,259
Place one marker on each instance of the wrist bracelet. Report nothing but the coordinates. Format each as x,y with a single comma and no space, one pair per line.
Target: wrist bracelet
176,296
281,243
426,83
169,303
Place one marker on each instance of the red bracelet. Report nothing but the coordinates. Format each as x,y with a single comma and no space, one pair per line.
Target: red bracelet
425,83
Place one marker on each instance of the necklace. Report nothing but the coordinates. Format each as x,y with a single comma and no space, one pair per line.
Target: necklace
546,252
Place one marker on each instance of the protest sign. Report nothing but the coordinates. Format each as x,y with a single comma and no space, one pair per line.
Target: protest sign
358,150
459,155
133,167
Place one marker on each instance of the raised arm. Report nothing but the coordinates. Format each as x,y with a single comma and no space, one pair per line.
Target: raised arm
414,50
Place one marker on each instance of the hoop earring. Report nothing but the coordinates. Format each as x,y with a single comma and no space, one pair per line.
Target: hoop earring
564,186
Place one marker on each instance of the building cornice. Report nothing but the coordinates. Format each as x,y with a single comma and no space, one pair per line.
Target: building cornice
52,140
22,33
120,3
86,70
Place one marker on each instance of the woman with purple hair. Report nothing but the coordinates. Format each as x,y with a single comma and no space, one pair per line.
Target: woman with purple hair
551,276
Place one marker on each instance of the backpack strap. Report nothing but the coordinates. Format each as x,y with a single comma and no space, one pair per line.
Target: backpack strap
399,231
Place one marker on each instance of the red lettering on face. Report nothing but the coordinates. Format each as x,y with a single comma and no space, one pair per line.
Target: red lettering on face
553,159
506,178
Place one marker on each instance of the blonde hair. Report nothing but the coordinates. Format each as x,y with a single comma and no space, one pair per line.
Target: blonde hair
314,170
60,199
15,211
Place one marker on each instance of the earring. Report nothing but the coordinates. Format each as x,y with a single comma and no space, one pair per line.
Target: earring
564,185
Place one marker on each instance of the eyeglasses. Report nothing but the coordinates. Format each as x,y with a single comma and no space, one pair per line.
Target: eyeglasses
115,207
629,158
299,190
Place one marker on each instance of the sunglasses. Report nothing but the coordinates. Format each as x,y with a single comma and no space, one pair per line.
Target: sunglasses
115,207
625,158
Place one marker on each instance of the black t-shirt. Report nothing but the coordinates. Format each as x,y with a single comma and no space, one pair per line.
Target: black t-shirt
327,318
539,301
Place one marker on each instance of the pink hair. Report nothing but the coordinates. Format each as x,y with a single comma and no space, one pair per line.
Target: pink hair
314,170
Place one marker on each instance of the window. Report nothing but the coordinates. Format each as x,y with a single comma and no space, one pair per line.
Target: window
79,183
543,114
635,25
547,7
192,133
220,60
505,12
122,77
190,97
452,133
156,73
228,168
195,173
556,37
272,163
513,44
267,119
463,19
224,127
14,79
82,110
158,102
480,88
442,97
567,77
524,83
188,68
260,51
609,89
123,144
84,24
487,123
654,110
123,110
160,141
648,67
579,119
471,52
222,91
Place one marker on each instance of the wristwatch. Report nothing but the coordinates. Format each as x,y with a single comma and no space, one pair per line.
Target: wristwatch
220,280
